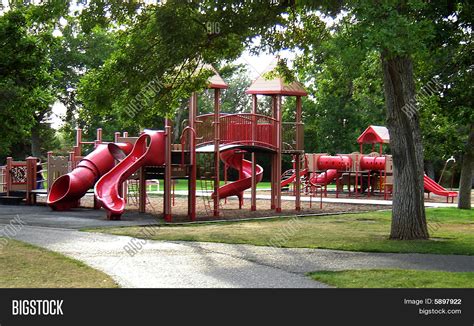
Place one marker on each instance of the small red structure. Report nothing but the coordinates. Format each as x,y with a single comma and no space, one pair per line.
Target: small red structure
374,135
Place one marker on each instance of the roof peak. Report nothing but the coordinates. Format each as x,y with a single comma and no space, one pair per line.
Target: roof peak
275,85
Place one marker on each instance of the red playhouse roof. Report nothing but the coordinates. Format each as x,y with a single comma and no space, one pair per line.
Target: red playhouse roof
216,80
374,135
275,86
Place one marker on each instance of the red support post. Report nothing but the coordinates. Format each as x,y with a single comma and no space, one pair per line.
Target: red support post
279,153
253,200
72,161
274,173
30,178
299,146
192,153
8,176
216,150
50,177
78,147
99,137
167,179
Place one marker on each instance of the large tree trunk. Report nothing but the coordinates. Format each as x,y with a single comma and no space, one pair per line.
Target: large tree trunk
408,211
467,172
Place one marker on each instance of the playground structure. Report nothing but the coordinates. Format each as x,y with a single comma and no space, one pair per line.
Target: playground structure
362,173
227,138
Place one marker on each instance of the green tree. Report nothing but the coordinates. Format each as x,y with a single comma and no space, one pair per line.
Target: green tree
160,49
27,79
396,30
449,61
80,52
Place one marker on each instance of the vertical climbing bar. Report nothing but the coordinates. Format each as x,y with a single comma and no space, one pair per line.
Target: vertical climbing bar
299,147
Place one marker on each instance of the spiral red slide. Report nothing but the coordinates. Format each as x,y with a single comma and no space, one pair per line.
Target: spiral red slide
149,149
68,189
234,158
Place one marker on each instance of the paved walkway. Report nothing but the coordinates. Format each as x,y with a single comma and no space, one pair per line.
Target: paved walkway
77,218
197,264
164,264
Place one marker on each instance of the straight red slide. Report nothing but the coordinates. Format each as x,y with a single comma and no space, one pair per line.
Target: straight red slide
236,161
432,186
149,149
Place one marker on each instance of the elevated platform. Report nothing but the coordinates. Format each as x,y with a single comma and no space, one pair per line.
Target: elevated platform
224,147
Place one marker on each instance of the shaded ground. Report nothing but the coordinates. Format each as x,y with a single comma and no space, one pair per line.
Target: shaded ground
229,209
75,219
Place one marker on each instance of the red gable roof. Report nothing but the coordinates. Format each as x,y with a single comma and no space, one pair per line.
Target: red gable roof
374,135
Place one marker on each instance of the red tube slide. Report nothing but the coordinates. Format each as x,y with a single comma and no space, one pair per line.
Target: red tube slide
149,149
68,189
236,161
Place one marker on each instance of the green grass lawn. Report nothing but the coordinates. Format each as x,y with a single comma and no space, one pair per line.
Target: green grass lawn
27,266
395,278
451,230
